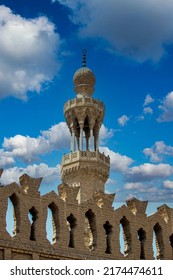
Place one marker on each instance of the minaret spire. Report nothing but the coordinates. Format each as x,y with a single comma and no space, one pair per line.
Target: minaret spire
84,52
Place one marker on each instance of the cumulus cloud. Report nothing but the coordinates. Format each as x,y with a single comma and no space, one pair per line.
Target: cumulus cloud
138,29
118,162
6,161
148,172
58,136
158,150
148,100
105,134
123,120
28,52
29,149
49,174
167,108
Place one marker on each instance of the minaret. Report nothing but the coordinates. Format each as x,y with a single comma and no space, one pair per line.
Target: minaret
85,166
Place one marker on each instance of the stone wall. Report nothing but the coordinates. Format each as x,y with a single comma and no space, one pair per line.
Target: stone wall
90,230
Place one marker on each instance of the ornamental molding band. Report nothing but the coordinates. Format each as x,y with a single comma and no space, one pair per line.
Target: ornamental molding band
84,223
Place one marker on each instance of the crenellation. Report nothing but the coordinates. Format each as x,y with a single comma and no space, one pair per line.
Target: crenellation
136,206
30,184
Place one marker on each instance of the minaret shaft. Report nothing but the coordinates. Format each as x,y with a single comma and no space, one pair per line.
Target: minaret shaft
85,166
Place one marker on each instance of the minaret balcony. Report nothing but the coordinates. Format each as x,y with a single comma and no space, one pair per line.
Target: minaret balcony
86,156
83,101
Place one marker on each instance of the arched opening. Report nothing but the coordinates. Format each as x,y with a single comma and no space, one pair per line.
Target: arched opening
87,133
90,230
33,216
71,223
142,239
77,134
108,233
126,235
52,225
171,243
13,215
121,239
158,238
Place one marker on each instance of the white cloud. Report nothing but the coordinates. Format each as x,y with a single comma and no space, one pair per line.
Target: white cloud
133,186
49,174
138,29
148,172
25,147
118,162
168,184
58,136
148,100
6,161
148,110
105,134
158,150
111,182
29,149
28,52
123,120
167,108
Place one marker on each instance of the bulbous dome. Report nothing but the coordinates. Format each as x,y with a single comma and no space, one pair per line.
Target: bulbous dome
84,81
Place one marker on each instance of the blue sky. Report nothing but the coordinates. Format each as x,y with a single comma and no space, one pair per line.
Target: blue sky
129,48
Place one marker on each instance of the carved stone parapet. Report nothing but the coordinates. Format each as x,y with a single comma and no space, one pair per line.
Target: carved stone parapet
86,156
83,102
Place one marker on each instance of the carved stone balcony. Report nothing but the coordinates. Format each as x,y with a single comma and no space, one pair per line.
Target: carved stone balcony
83,102
86,156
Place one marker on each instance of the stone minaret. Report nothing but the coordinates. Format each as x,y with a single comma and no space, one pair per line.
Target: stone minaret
85,166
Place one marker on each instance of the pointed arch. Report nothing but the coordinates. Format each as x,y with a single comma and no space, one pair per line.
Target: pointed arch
126,235
87,132
159,241
71,223
14,208
33,216
76,128
108,233
90,230
142,239
55,222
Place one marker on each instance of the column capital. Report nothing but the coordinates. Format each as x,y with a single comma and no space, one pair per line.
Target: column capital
91,124
81,123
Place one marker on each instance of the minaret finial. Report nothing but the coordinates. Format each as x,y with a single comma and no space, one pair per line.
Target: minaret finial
84,57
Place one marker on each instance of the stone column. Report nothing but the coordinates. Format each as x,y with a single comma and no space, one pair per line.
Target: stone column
96,140
91,140
81,137
73,141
